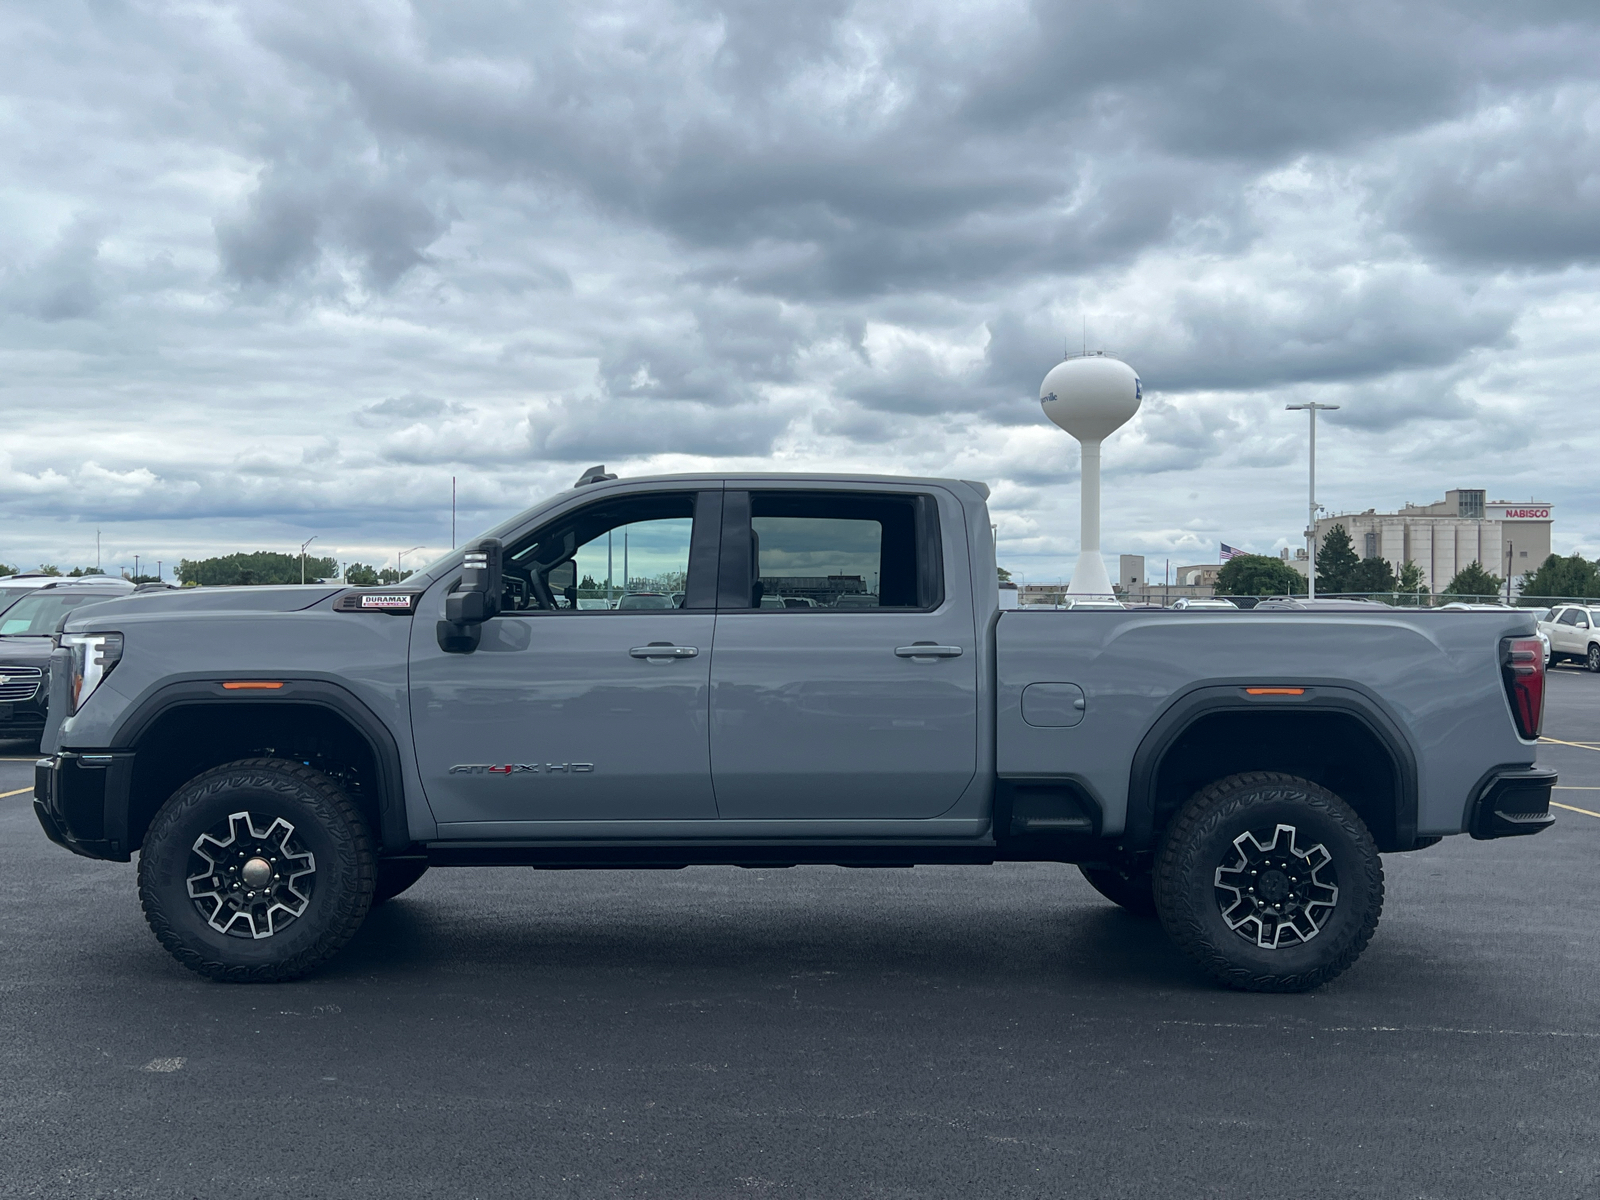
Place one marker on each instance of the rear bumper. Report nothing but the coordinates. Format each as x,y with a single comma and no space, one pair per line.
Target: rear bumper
1513,802
76,798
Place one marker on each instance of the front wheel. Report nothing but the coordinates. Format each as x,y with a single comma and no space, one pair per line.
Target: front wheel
257,871
1594,659
1270,882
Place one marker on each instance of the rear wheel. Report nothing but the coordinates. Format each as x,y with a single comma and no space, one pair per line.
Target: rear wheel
1270,882
1594,658
1133,888
256,872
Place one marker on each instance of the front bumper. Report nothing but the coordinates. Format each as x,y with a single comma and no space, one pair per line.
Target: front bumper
81,802
1513,802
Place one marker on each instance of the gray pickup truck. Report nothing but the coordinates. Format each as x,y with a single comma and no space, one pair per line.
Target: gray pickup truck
770,670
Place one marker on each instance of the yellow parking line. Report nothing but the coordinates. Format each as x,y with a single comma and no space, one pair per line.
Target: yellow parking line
1579,745
18,792
1569,808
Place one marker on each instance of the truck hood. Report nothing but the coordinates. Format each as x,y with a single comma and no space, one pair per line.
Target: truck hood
289,598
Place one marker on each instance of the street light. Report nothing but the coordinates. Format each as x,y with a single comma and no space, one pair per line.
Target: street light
399,569
303,546
1311,526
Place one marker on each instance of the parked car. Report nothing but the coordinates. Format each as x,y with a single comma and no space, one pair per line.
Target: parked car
646,600
1332,604
14,587
1203,602
27,628
280,758
1574,633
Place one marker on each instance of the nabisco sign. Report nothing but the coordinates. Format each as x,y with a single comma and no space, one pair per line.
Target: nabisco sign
1531,511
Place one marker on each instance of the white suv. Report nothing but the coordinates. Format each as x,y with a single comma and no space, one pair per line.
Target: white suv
1574,631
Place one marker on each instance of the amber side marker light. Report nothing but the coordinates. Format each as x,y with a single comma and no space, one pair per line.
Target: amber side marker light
1258,691
251,685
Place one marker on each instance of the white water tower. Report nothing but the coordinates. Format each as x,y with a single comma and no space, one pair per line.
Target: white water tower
1091,396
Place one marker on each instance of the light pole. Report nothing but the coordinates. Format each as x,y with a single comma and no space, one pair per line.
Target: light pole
399,568
1311,526
303,546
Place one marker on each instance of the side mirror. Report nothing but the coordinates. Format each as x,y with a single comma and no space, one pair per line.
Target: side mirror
478,598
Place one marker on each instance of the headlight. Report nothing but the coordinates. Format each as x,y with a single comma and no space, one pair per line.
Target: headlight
93,657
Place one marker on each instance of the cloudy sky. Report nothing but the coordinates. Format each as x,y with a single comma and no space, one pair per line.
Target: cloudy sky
272,270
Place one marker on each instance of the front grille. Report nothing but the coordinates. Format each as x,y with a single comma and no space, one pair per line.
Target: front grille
19,683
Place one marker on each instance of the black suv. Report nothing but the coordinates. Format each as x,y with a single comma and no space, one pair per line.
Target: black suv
27,626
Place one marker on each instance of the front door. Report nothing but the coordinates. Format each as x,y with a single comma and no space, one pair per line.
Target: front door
587,697
844,684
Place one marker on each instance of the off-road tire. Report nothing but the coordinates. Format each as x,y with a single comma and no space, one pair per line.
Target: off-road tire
328,825
1133,890
395,875
1201,838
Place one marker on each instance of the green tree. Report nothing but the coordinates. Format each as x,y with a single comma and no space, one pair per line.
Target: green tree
1005,575
79,572
1258,575
390,575
360,575
587,584
265,566
1473,582
1370,575
8,569
50,568
1409,583
1573,577
1335,560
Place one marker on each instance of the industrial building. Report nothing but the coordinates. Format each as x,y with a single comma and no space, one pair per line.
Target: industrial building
1505,537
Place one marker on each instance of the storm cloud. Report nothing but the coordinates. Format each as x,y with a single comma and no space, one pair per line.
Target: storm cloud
277,269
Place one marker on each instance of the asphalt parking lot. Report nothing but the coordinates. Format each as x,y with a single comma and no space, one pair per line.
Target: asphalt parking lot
944,1031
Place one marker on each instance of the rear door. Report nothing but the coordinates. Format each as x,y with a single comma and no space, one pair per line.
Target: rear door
863,702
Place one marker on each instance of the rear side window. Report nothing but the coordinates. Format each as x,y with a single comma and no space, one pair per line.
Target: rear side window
843,552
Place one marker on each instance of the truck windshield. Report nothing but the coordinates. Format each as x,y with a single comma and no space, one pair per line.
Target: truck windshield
39,614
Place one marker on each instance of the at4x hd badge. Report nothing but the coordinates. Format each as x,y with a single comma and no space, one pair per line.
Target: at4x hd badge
521,768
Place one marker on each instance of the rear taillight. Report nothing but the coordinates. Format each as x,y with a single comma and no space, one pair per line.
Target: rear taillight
1522,667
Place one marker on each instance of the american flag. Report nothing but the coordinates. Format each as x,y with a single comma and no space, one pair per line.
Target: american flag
1229,551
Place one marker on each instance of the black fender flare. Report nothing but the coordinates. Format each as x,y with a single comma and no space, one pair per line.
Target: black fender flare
1207,699
394,829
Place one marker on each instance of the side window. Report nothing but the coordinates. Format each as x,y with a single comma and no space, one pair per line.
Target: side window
627,553
843,552
1581,620
1568,616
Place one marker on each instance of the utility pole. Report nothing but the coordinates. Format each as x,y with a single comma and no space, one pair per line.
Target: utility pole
97,550
136,568
1510,547
158,570
1311,525
399,567
303,546
452,512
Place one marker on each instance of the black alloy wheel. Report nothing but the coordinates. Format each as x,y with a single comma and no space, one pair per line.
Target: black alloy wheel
257,871
1270,882
1133,888
1594,658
